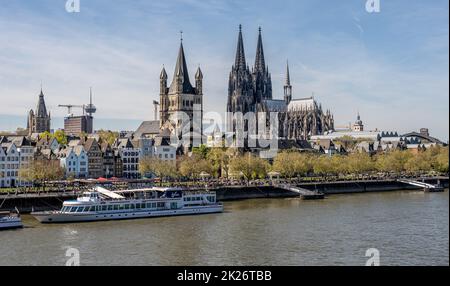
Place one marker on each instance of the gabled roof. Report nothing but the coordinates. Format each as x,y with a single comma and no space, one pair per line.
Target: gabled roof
89,143
21,141
147,128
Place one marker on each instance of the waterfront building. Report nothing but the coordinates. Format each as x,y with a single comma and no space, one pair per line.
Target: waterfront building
75,161
39,119
145,146
129,155
26,150
108,160
251,92
163,149
95,158
9,164
118,164
182,98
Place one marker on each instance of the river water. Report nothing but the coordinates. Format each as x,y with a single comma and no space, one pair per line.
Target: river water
406,227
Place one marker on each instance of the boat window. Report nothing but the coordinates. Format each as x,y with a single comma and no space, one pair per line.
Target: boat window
127,206
86,209
149,205
79,209
142,206
92,209
110,207
116,207
121,207
104,208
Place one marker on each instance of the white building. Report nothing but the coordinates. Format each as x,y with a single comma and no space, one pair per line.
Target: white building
163,150
75,161
26,152
9,165
130,155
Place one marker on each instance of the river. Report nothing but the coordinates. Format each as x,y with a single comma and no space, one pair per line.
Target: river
406,227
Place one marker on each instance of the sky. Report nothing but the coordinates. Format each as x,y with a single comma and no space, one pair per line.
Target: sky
392,67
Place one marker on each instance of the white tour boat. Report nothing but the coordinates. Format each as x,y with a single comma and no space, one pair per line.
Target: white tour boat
101,204
9,220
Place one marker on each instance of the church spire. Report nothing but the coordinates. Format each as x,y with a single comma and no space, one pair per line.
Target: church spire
181,75
260,64
287,86
288,76
41,110
240,54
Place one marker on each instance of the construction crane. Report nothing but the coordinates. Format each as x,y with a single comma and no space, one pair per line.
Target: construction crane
69,108
87,108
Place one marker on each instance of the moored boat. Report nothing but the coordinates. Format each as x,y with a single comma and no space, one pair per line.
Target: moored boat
101,204
9,220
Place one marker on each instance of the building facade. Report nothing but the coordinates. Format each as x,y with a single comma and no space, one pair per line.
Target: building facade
75,161
9,165
95,158
129,155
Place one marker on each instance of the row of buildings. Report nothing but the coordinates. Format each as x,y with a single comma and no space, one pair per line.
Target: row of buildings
85,157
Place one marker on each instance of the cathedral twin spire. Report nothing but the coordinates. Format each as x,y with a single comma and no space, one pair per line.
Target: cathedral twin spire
258,84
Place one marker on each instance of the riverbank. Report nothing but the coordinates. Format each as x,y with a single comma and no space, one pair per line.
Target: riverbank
53,201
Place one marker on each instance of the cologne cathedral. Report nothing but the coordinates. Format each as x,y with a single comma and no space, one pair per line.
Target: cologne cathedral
251,91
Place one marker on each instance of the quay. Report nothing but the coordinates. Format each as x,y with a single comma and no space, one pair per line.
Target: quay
45,201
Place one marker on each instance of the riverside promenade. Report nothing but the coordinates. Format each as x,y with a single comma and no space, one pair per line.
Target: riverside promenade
52,200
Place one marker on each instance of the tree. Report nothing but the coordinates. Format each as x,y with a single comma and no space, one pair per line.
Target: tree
193,166
162,169
59,135
250,166
201,151
108,136
219,159
359,163
41,171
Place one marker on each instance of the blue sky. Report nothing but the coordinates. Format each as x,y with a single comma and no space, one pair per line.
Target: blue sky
390,66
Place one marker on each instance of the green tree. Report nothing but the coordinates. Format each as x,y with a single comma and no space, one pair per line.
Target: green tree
250,166
201,151
162,169
219,159
108,136
41,171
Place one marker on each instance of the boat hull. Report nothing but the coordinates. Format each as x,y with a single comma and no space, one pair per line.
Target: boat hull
11,224
58,217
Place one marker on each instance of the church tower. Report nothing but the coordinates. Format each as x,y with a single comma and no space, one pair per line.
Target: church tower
262,81
240,87
181,98
39,120
287,86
